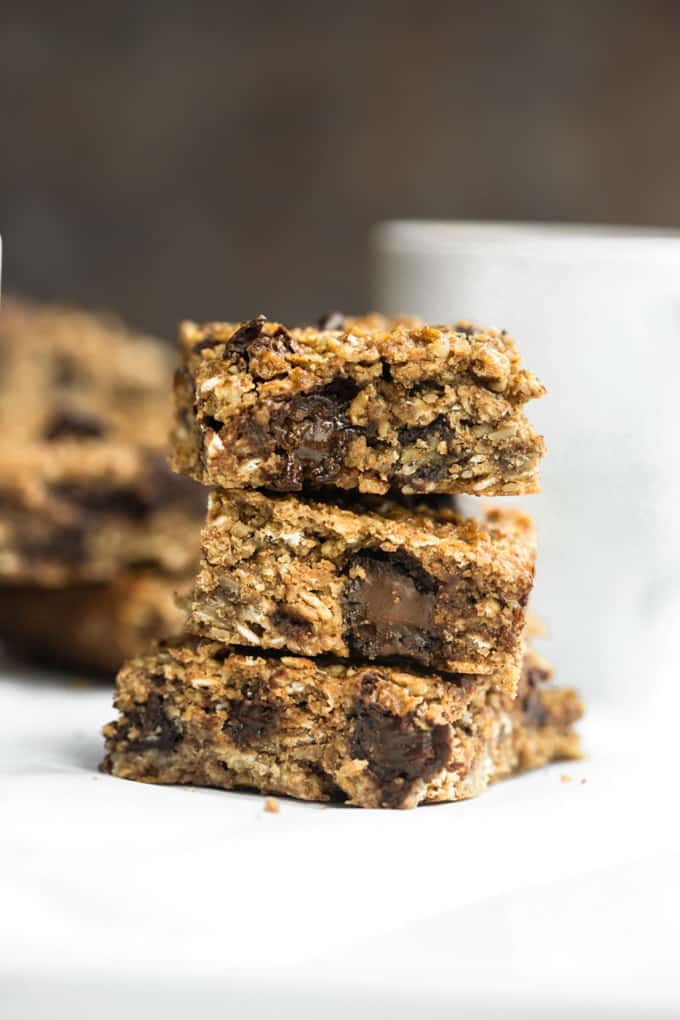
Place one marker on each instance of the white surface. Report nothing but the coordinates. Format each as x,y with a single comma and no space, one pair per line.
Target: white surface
596,314
541,898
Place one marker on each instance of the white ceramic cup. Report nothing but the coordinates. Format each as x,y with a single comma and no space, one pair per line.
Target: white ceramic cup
596,314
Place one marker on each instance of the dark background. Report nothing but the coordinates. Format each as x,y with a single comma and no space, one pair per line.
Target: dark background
206,160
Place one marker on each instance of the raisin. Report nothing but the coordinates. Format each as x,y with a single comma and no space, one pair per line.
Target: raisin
312,432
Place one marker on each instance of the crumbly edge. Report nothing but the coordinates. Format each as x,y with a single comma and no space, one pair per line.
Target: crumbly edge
413,348
373,736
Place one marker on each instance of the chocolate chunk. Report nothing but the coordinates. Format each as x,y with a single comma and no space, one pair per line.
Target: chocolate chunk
397,749
123,501
434,465
156,487
426,435
388,607
67,545
251,719
158,732
312,433
70,423
332,321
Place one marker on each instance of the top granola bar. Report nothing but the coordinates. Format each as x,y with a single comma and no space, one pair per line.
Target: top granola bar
369,403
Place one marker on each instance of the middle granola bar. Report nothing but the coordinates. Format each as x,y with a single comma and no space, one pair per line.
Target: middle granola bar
374,580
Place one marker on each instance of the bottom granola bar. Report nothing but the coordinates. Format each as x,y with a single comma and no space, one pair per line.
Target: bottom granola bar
374,736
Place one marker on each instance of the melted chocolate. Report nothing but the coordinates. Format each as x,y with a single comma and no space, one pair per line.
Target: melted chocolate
389,606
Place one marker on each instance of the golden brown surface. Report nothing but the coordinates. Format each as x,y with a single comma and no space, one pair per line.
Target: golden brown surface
372,582
375,736
373,404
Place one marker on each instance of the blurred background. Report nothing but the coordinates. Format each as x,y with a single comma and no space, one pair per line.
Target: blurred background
170,159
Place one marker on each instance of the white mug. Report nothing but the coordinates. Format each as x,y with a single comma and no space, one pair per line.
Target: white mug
596,315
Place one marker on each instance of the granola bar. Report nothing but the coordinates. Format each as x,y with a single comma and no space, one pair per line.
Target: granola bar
362,403
85,490
371,580
374,736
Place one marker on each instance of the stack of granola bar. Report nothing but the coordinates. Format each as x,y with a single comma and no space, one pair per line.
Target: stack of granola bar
96,532
349,635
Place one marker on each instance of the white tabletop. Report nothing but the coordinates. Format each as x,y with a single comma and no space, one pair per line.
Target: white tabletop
542,898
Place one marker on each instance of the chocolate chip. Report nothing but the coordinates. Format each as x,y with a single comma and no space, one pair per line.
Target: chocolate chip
388,607
158,732
73,424
251,719
465,330
431,434
156,487
434,466
333,321
398,751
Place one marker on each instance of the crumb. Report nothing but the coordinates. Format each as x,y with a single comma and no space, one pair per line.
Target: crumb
271,805
565,778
